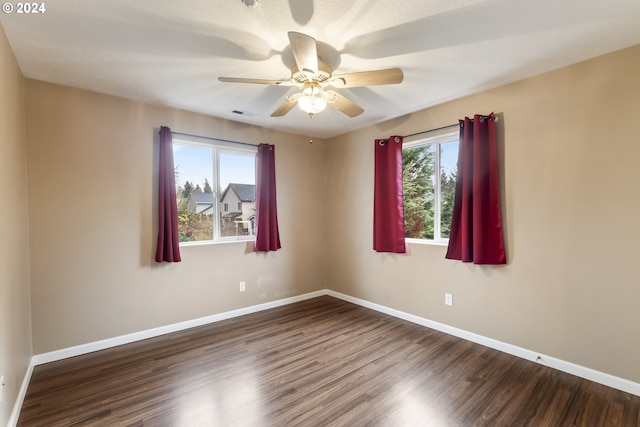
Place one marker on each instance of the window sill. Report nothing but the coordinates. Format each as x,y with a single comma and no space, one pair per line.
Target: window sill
215,242
426,242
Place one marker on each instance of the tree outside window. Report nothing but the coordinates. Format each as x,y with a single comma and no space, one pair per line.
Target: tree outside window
429,195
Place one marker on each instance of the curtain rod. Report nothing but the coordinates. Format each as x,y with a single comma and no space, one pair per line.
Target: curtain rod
214,139
434,130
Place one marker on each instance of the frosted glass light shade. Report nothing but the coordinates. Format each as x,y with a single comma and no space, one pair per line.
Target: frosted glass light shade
311,104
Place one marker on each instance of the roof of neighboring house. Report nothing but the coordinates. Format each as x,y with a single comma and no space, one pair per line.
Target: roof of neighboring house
232,215
245,192
202,197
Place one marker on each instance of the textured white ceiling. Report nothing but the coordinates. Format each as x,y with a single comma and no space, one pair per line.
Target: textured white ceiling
172,52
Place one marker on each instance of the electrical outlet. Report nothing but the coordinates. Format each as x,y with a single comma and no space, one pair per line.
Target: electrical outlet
448,299
243,286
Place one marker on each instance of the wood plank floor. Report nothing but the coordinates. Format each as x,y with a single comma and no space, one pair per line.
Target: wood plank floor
320,362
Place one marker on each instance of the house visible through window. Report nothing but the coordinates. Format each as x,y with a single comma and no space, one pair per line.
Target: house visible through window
211,178
429,168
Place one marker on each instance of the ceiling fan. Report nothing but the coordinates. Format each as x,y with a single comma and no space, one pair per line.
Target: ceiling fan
312,76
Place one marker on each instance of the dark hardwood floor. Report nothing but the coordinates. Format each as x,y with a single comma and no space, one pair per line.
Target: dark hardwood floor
321,362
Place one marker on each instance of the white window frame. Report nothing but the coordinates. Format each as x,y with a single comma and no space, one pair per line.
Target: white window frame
435,139
218,148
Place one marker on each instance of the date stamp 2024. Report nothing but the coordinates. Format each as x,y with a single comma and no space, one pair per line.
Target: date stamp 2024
24,8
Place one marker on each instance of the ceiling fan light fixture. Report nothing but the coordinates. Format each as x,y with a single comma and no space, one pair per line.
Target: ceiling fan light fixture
311,89
312,104
311,99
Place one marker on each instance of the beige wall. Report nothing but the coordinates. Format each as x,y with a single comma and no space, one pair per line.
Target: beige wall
92,161
15,311
571,288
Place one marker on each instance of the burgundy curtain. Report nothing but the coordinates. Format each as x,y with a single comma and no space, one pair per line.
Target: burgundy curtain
168,248
267,235
476,225
388,206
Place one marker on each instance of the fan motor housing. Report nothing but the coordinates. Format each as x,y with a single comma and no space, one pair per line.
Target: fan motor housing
301,76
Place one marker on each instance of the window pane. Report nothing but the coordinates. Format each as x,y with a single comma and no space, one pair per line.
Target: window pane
237,181
418,184
194,169
448,171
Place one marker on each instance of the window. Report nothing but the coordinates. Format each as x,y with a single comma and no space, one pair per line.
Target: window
239,206
209,178
429,168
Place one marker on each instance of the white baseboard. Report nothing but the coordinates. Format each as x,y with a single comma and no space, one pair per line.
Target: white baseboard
78,350
561,365
17,406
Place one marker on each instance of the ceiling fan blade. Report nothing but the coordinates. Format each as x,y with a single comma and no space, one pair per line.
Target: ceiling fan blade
343,104
304,51
388,76
256,81
286,106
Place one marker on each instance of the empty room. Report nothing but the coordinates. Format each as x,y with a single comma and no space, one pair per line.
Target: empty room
319,213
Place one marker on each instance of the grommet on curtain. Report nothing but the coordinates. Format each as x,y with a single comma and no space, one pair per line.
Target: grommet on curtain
396,139
488,117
